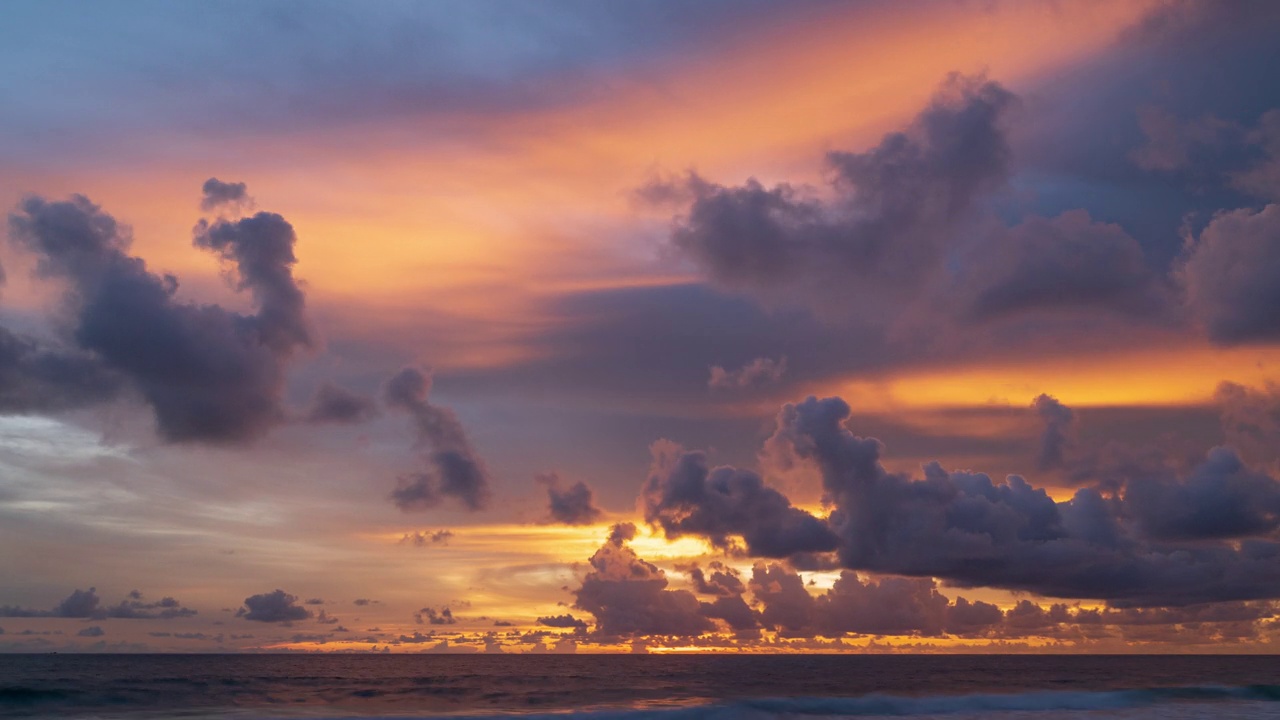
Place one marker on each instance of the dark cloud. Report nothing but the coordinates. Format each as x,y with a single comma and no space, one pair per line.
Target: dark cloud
971,531
684,496
1219,499
92,631
87,604
218,194
209,374
361,602
895,205
563,621
1058,428
723,580
1069,261
915,607
758,372
423,538
276,606
1231,275
334,404
1251,420
629,596
432,616
574,505
457,471
36,378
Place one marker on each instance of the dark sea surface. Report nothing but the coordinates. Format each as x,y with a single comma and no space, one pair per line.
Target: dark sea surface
631,687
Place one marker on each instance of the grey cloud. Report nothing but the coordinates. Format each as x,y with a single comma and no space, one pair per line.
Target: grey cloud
563,621
276,606
1069,261
218,194
1231,274
723,580
422,539
758,372
87,604
1058,431
334,404
915,607
432,616
895,205
1251,420
685,496
971,531
457,471
35,377
92,631
629,596
574,505
1220,498
208,373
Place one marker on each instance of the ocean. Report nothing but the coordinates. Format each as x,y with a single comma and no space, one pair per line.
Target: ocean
662,687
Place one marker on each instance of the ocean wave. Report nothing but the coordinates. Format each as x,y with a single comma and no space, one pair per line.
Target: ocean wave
907,706
18,698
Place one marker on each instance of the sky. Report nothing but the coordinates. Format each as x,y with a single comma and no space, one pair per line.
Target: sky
640,327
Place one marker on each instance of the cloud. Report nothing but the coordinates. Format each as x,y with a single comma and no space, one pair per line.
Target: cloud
758,372
1069,261
1231,275
685,496
915,607
218,194
38,378
92,631
334,404
563,621
457,471
208,373
276,606
574,505
723,580
1058,430
87,604
629,596
423,538
432,616
971,531
1251,420
894,206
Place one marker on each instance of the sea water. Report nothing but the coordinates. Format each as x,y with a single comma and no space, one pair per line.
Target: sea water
687,687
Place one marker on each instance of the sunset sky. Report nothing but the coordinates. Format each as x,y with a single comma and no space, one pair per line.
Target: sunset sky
747,326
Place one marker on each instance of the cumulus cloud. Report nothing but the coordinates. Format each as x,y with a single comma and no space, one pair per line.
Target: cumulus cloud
629,596
759,372
276,606
573,505
432,616
334,404
972,531
218,194
685,496
1251,420
1142,536
1069,261
456,469
423,538
92,631
87,604
563,621
209,374
1231,276
894,206
1058,430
